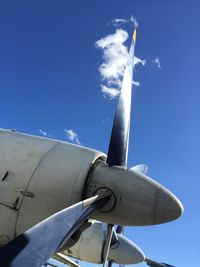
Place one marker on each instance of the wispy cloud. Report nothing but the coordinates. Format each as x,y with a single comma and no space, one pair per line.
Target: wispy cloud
157,62
42,132
115,54
71,135
105,120
138,60
118,22
134,21
136,83
109,92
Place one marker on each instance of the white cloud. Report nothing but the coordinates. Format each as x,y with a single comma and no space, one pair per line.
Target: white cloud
42,132
111,93
139,61
72,136
157,62
115,54
136,83
118,22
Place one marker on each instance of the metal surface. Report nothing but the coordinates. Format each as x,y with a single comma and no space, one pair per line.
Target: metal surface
111,203
118,146
153,263
64,259
120,229
90,247
39,170
38,244
126,252
142,168
107,243
140,200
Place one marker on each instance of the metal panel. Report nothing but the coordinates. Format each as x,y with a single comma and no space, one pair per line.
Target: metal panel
57,183
38,177
19,157
90,245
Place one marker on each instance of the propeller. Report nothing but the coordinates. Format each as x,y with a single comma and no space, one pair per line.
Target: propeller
118,147
120,230
152,263
35,246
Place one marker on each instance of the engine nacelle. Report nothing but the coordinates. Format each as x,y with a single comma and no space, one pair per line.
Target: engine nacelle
91,244
38,177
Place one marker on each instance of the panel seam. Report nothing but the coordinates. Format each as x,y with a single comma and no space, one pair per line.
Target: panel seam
23,196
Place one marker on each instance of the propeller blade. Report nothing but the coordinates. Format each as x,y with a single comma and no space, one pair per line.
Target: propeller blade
142,168
114,239
110,263
118,147
39,243
66,260
107,244
156,264
120,229
50,264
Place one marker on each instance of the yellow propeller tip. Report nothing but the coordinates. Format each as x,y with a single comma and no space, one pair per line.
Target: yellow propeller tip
134,35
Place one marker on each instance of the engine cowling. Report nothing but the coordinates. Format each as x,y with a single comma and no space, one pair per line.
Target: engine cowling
90,247
39,176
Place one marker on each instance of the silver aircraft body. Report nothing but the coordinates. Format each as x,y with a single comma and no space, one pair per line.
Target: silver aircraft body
40,176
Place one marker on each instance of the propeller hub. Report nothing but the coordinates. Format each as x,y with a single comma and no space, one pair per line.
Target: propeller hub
111,202
126,252
139,200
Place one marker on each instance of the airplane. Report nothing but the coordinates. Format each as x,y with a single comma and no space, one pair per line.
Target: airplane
49,189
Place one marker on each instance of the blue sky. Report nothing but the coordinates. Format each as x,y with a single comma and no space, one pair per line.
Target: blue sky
50,81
